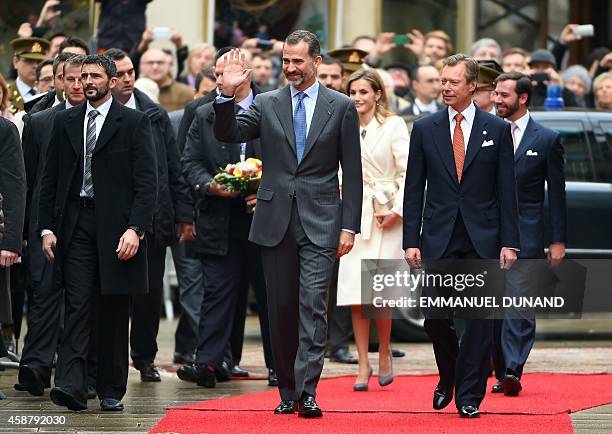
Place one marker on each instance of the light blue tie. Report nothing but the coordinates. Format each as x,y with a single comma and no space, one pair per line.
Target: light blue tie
299,126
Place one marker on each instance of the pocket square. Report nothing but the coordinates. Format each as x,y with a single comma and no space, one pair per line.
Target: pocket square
531,153
487,143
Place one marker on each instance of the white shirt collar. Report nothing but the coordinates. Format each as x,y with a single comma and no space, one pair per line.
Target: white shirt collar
56,101
246,103
468,113
131,103
68,105
522,122
103,109
23,88
311,92
432,107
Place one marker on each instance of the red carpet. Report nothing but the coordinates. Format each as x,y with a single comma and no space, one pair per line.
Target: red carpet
404,406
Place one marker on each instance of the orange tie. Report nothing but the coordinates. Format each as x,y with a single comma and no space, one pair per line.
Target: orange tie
458,145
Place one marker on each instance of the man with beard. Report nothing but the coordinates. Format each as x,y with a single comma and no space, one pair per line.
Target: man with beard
43,306
538,162
330,73
173,216
97,200
301,224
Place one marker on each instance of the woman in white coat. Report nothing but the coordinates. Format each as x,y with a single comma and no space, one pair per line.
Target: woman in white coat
384,155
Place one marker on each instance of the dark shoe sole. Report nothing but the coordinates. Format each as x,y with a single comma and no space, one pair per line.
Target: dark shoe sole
114,408
310,414
150,379
64,399
511,386
185,377
468,416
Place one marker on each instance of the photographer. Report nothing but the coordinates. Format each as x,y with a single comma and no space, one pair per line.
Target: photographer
542,71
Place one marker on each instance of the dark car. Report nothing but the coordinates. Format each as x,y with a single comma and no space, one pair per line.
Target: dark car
587,141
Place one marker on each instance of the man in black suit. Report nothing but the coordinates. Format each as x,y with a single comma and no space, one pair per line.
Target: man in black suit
173,217
228,259
538,162
300,222
464,155
97,200
44,299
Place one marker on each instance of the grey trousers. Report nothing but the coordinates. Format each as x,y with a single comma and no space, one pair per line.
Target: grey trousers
297,276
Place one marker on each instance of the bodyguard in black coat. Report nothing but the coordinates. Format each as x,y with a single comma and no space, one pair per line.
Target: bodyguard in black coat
174,210
229,260
44,299
98,197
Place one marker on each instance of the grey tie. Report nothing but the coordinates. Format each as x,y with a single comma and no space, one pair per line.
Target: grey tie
91,144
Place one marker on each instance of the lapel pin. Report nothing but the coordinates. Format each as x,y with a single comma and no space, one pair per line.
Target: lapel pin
484,132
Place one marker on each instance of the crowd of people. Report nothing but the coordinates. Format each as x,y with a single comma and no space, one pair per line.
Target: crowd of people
147,129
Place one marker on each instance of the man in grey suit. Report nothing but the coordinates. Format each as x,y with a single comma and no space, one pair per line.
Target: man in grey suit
302,225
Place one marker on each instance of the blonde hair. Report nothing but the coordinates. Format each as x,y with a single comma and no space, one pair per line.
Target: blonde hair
441,34
382,111
5,94
597,84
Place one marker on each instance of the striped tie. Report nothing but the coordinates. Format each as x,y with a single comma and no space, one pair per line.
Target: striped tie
458,146
299,126
91,144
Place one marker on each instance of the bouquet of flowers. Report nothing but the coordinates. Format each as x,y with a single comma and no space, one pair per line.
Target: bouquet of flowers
243,176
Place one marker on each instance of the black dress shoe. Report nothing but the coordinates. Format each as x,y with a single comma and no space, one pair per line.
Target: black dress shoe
342,355
30,378
469,411
286,407
511,385
183,358
91,392
111,404
149,373
308,408
272,378
497,388
203,375
223,372
239,372
64,399
442,397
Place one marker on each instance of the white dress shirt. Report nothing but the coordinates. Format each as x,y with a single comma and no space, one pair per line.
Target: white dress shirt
103,112
519,130
24,90
466,124
131,103
57,101
421,107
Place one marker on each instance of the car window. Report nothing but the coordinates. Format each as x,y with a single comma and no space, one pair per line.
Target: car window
603,162
578,163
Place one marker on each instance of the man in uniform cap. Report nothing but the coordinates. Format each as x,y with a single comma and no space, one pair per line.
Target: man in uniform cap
352,59
27,54
488,70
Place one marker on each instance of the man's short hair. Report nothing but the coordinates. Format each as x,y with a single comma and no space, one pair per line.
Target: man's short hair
260,56
74,60
61,57
41,65
485,43
205,73
441,34
104,62
471,65
523,83
115,54
515,50
328,60
71,41
222,51
297,36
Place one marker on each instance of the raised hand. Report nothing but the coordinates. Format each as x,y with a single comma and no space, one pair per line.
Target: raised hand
235,71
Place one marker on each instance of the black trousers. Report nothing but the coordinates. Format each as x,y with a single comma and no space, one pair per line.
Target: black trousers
84,308
465,364
254,276
297,274
146,309
339,317
222,276
44,315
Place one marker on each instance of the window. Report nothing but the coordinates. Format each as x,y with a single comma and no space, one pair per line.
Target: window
578,160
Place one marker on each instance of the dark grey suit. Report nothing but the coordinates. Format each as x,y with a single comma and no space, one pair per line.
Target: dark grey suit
298,219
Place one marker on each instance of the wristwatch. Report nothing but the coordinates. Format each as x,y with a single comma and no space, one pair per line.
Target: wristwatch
138,231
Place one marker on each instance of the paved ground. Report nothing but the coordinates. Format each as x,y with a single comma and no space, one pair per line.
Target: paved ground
146,402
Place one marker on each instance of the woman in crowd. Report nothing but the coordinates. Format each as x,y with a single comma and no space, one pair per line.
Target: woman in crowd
201,56
602,89
384,153
577,79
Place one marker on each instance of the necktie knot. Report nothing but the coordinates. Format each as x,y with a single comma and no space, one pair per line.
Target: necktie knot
301,96
92,114
459,117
